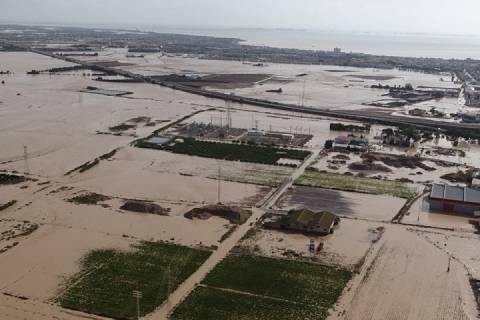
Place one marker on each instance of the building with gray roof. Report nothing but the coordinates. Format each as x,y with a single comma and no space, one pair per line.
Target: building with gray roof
455,199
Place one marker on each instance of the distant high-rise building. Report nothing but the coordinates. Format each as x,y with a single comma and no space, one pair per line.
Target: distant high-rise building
337,50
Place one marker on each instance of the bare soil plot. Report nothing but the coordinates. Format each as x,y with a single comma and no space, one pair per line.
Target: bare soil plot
350,204
35,268
166,162
142,183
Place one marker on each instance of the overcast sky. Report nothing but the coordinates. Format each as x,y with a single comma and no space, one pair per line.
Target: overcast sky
428,16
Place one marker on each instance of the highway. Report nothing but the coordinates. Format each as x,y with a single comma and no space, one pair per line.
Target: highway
366,116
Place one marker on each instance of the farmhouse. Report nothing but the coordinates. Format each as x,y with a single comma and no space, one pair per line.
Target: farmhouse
453,199
304,220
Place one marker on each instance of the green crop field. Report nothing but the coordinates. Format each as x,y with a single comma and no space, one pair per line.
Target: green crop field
229,151
215,304
327,180
253,287
107,278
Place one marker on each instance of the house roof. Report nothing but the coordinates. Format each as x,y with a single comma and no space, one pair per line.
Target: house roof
454,193
342,140
309,218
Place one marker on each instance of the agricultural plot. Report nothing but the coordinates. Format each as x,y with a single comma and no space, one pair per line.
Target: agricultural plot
107,278
218,304
343,203
253,287
230,151
314,178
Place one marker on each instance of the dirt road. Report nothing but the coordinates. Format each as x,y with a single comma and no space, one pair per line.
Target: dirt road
224,248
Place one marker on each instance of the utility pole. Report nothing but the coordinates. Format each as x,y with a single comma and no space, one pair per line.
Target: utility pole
26,167
137,295
229,115
219,184
303,94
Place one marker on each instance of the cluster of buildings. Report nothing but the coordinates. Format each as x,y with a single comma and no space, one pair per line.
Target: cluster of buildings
396,138
261,137
275,138
350,143
472,95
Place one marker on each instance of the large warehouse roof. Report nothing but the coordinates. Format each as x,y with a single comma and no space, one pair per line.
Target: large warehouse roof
452,193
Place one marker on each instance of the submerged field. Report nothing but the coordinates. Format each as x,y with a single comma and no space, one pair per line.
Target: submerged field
256,287
230,151
343,203
314,178
107,278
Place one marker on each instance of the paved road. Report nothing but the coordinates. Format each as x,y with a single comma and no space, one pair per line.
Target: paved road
362,115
